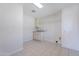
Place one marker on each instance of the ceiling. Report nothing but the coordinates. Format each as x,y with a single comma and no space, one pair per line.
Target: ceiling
48,9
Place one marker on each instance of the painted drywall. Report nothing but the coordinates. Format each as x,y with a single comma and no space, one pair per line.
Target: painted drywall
52,26
28,27
70,27
11,21
53,31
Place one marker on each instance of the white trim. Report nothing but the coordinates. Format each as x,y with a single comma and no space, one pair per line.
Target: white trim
9,54
16,51
27,40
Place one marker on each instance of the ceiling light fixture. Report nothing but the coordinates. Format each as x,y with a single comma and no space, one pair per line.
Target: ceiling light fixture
38,5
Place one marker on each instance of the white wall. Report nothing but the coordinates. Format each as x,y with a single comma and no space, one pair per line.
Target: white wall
10,28
53,32
52,26
70,27
28,27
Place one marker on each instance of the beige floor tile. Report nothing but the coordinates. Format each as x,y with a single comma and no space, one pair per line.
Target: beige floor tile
44,48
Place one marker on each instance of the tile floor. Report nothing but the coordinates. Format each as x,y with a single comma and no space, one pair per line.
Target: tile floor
44,48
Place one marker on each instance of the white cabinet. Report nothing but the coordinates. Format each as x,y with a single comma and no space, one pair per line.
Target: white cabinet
38,35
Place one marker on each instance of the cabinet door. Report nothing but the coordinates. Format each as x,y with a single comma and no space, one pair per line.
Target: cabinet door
38,36
42,36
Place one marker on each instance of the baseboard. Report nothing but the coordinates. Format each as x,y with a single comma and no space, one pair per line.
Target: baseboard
70,48
27,40
11,53
15,51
